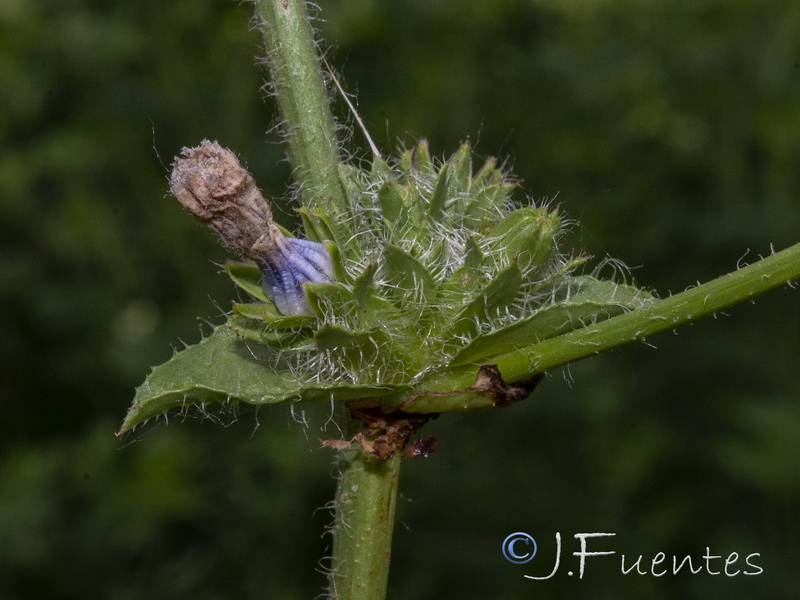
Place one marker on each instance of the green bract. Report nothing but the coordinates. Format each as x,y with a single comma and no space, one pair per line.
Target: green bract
437,271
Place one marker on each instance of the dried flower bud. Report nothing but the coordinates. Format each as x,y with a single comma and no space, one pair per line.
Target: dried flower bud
221,194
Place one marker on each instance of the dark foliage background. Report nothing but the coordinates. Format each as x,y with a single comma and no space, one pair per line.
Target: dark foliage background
669,131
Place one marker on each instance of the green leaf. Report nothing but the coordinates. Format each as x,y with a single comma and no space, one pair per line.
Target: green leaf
473,257
391,201
248,277
526,235
289,335
380,169
390,197
352,179
406,276
498,294
440,195
460,178
339,272
452,184
219,368
362,288
468,276
370,305
327,299
355,349
224,368
587,301
423,158
487,174
319,227
587,288
481,211
414,226
406,163
265,313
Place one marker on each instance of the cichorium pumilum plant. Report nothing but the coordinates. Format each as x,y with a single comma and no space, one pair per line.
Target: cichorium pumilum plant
415,287
434,269
434,291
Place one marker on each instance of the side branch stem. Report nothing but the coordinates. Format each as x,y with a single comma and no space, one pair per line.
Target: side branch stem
709,298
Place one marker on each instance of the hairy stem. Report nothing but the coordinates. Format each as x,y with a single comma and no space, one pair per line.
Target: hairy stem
365,504
297,82
367,487
707,299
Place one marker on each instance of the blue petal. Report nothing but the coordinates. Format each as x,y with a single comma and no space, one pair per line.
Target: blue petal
292,263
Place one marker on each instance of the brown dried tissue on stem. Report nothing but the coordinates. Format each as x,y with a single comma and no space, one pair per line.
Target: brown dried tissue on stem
387,430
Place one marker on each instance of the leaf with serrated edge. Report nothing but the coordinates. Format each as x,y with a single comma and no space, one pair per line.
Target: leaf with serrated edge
222,367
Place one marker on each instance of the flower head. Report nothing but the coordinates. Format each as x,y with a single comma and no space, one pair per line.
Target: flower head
213,185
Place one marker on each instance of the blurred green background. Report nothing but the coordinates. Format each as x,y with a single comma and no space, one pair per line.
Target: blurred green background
668,131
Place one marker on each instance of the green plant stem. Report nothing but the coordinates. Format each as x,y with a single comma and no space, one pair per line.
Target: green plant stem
365,504
709,298
306,120
367,487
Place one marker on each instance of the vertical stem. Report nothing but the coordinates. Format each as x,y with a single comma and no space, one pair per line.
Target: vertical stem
298,84
365,504
306,119
367,487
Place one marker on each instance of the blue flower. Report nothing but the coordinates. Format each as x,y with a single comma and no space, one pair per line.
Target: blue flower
287,264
